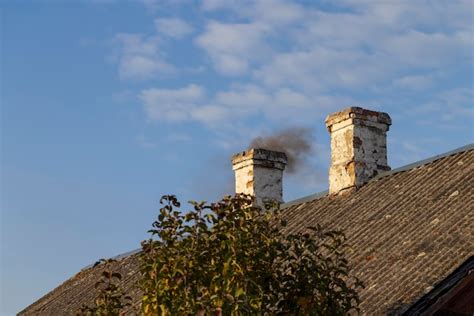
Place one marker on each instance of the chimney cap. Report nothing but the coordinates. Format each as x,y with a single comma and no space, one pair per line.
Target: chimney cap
261,156
259,172
355,112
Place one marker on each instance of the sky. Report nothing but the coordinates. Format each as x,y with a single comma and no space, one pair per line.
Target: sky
107,105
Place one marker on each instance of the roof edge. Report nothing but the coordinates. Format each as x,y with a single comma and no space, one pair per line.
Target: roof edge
410,166
304,199
117,257
424,161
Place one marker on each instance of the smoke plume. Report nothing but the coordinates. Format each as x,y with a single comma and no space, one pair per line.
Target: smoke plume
295,142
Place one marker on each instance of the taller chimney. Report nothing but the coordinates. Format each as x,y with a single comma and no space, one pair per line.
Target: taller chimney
358,147
259,172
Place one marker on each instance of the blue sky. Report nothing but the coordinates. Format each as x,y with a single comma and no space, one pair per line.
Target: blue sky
107,105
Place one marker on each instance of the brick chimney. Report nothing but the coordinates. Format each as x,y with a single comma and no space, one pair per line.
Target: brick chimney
259,172
358,147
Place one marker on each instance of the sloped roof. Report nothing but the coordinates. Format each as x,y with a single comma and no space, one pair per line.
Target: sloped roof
408,229
67,298
454,293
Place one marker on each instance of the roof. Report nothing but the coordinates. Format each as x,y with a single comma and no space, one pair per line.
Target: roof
68,297
409,229
443,292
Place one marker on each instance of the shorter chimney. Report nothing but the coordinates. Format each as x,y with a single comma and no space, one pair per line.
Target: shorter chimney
259,172
358,147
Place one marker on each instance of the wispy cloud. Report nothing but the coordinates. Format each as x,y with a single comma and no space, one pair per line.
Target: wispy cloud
155,5
414,82
171,104
279,60
192,103
232,46
143,142
173,27
139,57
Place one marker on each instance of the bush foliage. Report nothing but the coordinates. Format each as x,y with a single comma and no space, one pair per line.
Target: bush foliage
110,299
234,258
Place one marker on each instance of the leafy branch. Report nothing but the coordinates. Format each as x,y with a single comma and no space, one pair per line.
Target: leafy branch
231,258
110,299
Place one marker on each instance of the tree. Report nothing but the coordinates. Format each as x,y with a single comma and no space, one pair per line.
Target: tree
231,258
110,299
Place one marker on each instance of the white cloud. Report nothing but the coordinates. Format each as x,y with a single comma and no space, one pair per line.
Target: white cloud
438,16
279,105
232,46
190,103
369,43
277,12
211,114
305,108
142,67
137,44
268,11
219,4
237,104
171,104
457,105
154,5
418,49
414,82
323,69
173,27
150,4
139,57
247,96
448,109
300,62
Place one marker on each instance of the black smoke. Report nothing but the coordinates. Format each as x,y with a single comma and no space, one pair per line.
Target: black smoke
295,142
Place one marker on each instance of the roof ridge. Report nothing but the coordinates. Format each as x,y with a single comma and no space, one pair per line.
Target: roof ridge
424,161
117,257
304,199
407,167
